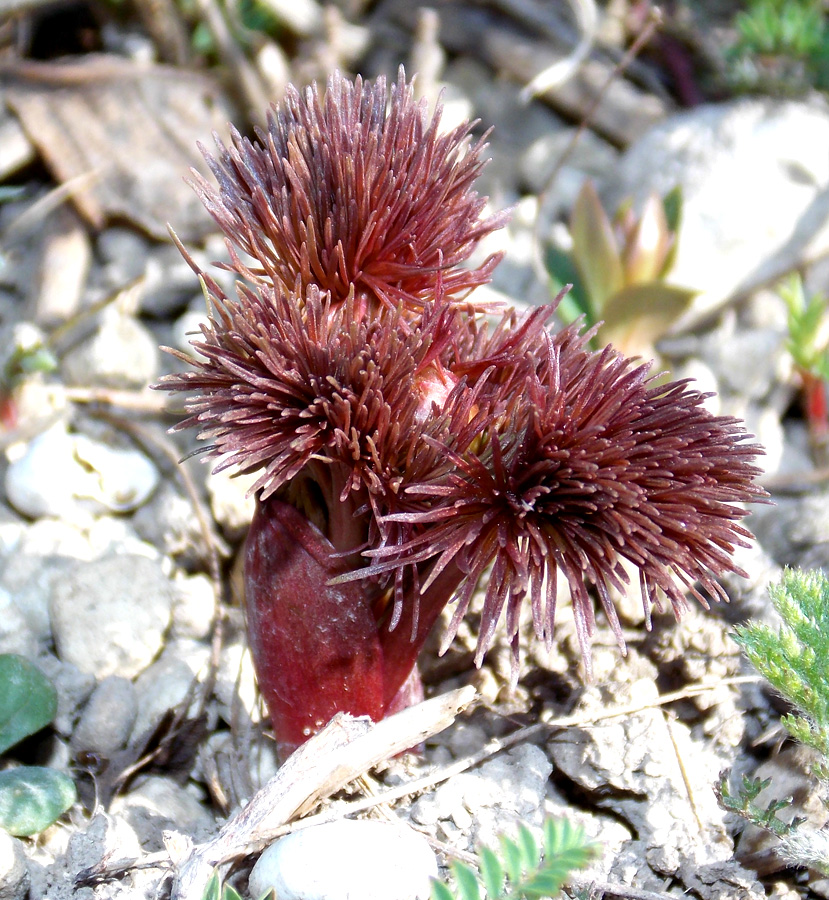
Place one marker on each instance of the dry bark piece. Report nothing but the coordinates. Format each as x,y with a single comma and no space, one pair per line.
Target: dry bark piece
126,131
345,749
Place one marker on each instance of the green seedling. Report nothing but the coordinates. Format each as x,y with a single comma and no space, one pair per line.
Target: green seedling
522,870
220,890
31,797
619,271
781,47
808,344
793,659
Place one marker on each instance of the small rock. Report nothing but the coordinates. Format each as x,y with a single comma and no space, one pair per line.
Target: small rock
733,236
73,688
109,616
591,157
16,150
466,738
194,604
14,873
122,353
64,268
107,720
236,683
168,682
187,327
15,634
170,282
347,859
124,253
230,503
72,476
168,522
158,804
12,529
502,793
105,838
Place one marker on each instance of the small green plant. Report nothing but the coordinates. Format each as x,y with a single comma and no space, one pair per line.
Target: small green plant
808,344
794,660
31,797
522,871
781,47
619,271
217,889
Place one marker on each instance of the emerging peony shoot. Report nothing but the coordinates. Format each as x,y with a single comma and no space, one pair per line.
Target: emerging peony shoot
407,451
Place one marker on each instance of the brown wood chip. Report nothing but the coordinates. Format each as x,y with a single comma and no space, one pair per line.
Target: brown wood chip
122,135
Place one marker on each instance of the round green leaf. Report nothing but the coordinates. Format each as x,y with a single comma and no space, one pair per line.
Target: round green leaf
32,798
28,700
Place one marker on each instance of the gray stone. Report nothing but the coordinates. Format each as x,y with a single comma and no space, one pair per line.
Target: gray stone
107,720
106,837
193,606
230,503
157,804
168,522
15,634
347,859
124,253
501,794
109,616
755,178
168,682
122,353
633,766
73,687
14,873
64,268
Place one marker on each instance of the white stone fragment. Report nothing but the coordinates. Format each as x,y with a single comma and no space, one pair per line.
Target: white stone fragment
14,873
68,475
735,236
347,860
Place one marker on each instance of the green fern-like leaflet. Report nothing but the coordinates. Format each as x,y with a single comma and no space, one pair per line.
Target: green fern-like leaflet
522,871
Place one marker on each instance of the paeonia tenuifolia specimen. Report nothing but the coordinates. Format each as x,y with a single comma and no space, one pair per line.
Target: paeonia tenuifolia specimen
406,449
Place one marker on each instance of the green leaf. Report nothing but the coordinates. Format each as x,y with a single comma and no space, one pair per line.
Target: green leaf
648,245
562,271
529,848
492,873
28,700
213,889
467,881
511,855
636,317
440,891
595,250
32,798
672,204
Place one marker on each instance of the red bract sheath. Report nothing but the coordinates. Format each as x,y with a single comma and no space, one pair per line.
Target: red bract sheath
408,453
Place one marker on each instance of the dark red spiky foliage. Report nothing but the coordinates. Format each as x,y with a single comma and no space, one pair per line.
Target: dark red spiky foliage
404,450
355,190
590,464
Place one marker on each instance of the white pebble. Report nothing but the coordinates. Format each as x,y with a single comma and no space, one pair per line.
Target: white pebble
70,475
14,873
347,860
